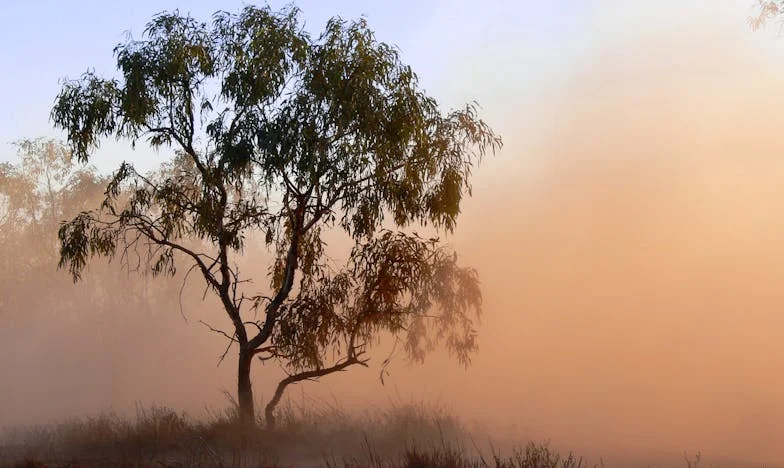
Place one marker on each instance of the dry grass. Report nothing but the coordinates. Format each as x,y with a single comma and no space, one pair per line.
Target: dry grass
403,435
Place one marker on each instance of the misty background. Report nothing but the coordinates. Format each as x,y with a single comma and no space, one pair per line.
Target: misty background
629,237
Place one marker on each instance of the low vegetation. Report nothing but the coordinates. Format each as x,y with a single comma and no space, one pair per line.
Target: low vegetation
408,435
402,435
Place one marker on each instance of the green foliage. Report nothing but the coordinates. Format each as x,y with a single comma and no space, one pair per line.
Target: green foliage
391,283
289,136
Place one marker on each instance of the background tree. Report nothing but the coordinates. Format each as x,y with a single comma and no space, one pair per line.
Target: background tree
41,189
38,191
281,137
766,10
90,323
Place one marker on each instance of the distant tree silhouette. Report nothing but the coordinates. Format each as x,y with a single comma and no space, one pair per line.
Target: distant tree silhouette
767,9
37,192
280,137
57,336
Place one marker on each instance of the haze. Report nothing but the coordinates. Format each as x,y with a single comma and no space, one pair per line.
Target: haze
629,238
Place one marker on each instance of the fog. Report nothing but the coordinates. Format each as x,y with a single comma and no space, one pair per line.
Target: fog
629,239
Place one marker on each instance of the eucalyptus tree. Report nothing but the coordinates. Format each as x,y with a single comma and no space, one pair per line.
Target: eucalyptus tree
281,137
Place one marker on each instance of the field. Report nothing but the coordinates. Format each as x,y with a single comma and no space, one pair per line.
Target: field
404,435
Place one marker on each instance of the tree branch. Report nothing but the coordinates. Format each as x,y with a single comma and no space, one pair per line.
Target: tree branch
221,332
288,283
353,359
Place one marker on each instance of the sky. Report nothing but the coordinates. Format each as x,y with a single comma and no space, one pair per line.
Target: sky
48,41
628,236
499,54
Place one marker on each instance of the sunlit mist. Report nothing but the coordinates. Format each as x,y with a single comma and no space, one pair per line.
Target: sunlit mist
629,239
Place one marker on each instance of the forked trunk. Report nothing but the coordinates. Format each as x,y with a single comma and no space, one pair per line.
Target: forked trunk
247,415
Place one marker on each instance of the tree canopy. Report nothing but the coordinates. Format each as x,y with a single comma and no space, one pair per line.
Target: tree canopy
278,138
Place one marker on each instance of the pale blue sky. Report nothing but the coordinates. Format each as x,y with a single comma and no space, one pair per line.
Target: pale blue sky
44,41
502,53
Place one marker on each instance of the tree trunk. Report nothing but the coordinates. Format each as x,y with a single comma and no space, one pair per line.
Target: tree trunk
269,415
247,415
269,410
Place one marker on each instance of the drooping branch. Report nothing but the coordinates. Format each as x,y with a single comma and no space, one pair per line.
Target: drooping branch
269,410
205,270
391,284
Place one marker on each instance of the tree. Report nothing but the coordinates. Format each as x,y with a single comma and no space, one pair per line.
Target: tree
90,323
767,9
281,137
35,194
